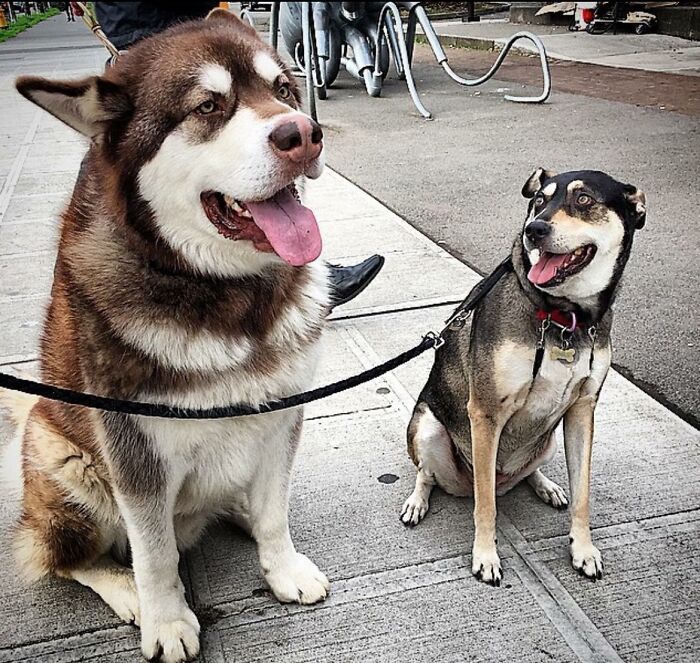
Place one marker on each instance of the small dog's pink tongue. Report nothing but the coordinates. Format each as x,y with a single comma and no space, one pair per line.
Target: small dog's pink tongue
290,227
546,268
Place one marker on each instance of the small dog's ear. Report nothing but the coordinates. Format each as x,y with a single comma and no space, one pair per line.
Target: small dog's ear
637,202
535,181
86,105
224,15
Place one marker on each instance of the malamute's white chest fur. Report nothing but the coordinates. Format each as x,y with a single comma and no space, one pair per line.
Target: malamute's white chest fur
213,461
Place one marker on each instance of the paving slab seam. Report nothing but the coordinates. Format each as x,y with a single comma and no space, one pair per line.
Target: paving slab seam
567,616
31,51
341,586
21,361
349,413
18,164
15,360
379,309
344,591
417,307
368,357
625,533
28,650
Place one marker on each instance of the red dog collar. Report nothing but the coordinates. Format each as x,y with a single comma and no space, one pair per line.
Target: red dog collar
565,319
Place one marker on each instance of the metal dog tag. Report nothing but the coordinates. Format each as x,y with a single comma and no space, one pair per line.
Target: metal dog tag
564,355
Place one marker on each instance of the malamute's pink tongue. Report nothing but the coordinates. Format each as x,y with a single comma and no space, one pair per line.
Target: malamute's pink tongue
546,268
290,227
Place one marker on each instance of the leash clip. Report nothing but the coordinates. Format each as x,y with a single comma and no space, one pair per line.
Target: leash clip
565,336
437,339
544,326
458,319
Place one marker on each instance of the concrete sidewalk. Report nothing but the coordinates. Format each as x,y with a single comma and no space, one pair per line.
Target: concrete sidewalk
398,595
650,52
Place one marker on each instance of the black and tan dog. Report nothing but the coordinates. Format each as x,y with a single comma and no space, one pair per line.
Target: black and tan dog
537,352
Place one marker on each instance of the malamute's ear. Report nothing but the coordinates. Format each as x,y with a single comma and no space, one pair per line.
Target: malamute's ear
535,181
219,14
88,106
637,202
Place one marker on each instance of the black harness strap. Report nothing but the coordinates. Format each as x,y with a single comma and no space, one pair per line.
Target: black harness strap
478,292
539,356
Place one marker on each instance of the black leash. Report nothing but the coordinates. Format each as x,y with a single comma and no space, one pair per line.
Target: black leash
430,340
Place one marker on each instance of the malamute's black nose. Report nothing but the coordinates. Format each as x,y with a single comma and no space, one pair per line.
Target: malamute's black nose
298,139
536,231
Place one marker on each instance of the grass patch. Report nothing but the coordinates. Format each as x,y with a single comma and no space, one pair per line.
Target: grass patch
23,22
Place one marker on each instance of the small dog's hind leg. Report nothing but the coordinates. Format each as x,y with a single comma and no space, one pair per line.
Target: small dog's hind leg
114,584
417,504
431,449
547,490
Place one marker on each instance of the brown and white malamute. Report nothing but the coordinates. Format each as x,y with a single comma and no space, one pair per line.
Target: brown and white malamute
185,275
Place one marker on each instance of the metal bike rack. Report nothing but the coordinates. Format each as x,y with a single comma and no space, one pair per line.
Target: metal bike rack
319,35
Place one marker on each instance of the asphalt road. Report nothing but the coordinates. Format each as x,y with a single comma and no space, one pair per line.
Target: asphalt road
458,179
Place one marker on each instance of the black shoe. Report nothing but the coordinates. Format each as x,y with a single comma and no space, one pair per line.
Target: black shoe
348,282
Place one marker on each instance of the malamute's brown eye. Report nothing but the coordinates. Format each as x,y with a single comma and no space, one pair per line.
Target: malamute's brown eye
584,200
284,92
206,107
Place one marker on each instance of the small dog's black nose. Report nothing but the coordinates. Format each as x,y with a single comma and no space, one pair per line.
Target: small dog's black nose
536,231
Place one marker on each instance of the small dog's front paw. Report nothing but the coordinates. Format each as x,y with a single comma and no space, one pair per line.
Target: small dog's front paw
587,560
414,510
171,641
297,579
486,566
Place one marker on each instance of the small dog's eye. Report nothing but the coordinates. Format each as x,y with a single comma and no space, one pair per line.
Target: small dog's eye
584,200
206,107
284,92
539,200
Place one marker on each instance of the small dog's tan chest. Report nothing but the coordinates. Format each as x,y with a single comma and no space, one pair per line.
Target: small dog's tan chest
538,404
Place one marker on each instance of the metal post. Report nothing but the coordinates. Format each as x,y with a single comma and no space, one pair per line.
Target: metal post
308,58
471,13
274,24
411,35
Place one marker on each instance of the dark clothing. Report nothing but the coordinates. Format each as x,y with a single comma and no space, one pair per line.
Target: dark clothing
126,22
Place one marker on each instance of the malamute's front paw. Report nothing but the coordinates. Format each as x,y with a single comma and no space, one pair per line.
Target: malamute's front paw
296,579
170,641
587,560
486,566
